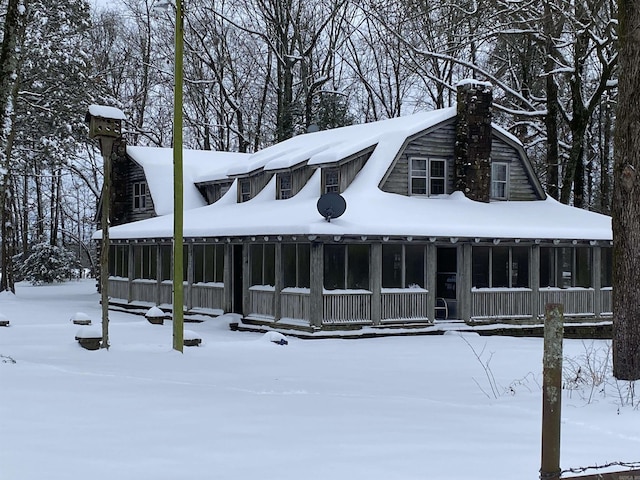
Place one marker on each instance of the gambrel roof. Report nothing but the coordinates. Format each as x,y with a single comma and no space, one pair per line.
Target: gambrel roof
370,211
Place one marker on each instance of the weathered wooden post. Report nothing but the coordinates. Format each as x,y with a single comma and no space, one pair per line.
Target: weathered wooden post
552,391
105,124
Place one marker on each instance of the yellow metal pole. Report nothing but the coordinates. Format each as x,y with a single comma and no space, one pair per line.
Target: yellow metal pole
178,210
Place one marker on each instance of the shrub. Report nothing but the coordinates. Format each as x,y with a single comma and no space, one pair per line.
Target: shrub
48,264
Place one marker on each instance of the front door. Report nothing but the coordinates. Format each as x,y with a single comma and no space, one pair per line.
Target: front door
446,282
237,279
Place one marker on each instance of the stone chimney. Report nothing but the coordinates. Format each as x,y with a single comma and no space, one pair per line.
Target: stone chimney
473,140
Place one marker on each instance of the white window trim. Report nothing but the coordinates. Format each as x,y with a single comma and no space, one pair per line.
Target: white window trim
428,177
505,182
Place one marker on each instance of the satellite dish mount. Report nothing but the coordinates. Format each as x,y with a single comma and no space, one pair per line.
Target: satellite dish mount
331,205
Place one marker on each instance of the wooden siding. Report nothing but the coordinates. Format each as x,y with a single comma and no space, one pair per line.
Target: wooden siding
405,306
439,143
212,191
166,293
299,178
520,187
129,172
606,301
144,291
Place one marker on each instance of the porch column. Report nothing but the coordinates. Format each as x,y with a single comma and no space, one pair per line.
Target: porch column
375,281
278,283
431,262
158,274
316,304
130,273
227,292
188,293
464,282
596,280
534,279
246,280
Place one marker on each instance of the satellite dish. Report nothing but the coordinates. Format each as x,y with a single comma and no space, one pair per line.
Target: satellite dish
331,205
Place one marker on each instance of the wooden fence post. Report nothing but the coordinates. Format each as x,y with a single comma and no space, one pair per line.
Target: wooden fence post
552,391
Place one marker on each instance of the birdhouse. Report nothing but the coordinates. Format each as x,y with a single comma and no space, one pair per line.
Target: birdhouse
104,121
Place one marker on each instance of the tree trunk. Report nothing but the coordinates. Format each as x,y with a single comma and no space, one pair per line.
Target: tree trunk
626,199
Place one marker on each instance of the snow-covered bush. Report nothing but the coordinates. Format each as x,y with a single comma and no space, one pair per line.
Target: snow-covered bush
48,264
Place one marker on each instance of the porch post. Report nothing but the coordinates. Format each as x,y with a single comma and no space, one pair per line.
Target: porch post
227,292
316,304
596,280
464,282
158,274
130,273
375,281
534,279
278,281
246,280
431,274
188,293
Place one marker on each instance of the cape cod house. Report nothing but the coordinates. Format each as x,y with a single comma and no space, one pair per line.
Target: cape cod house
444,219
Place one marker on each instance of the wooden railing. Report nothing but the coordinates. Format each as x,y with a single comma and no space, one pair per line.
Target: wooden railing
119,287
166,292
207,295
144,291
346,307
606,301
261,301
576,301
501,303
295,304
404,304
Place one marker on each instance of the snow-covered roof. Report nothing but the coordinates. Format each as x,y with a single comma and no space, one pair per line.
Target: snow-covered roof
370,211
198,166
104,111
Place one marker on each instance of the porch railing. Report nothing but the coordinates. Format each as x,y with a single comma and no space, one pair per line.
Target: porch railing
576,301
404,304
606,301
207,295
119,287
346,306
501,303
294,304
144,290
261,300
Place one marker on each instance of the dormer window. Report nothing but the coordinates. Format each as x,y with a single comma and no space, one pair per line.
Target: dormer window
428,176
499,180
331,179
139,196
245,189
285,185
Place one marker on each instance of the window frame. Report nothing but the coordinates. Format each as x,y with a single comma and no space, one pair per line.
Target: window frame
427,176
333,187
139,196
495,182
244,190
284,193
490,264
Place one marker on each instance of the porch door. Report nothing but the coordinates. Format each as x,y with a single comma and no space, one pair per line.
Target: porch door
237,279
446,280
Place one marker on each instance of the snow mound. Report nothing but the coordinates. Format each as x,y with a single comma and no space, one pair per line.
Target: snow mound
275,337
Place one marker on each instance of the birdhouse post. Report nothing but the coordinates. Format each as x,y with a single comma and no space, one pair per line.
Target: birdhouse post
105,124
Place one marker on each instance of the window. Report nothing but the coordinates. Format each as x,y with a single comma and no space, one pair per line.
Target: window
565,267
208,263
244,190
262,260
166,262
145,264
119,261
403,266
346,267
285,186
428,176
331,179
296,264
139,195
500,267
499,180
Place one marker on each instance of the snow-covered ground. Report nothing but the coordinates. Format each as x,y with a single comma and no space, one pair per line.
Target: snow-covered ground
242,407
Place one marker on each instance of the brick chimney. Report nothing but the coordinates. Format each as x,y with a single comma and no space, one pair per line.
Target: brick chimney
473,140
